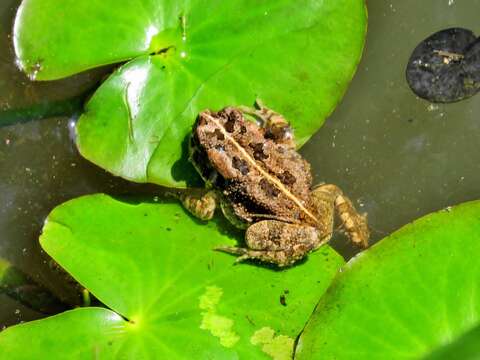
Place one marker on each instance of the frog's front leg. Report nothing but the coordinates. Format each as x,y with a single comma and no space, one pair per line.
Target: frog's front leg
329,198
276,127
201,204
276,242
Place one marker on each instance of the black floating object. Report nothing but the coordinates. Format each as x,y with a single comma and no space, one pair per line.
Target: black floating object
445,67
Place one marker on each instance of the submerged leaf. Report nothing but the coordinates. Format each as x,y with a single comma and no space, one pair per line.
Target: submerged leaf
445,67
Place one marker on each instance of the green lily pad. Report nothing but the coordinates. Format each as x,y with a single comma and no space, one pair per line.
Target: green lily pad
465,348
414,293
297,56
171,296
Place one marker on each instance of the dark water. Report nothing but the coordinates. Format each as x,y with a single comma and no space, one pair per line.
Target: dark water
395,155
39,168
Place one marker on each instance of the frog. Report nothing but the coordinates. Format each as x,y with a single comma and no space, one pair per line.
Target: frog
253,172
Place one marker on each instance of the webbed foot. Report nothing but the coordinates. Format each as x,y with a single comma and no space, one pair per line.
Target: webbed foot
354,223
329,199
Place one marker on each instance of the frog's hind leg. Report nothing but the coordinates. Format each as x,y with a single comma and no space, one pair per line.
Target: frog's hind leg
276,127
275,242
329,199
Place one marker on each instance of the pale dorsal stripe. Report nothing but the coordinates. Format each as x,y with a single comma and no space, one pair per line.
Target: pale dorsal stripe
266,175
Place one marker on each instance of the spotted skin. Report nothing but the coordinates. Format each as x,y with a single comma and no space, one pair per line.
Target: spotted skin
264,185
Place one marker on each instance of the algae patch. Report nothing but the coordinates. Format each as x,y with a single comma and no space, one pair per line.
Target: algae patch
278,347
219,326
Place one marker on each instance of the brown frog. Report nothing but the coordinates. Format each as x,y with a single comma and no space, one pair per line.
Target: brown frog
264,185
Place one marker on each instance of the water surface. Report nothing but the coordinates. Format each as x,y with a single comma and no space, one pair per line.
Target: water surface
397,156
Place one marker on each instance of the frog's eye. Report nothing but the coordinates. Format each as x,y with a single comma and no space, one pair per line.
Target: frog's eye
282,132
288,132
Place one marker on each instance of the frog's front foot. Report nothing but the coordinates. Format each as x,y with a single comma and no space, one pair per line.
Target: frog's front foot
276,126
201,205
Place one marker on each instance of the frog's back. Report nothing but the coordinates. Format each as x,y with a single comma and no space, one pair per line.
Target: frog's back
259,177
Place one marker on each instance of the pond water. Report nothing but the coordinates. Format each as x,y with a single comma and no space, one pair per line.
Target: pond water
398,157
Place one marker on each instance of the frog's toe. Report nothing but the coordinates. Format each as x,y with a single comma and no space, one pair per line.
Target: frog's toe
244,254
242,258
232,250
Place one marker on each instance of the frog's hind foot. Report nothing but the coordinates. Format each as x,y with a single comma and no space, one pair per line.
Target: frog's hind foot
279,258
329,199
354,224
242,252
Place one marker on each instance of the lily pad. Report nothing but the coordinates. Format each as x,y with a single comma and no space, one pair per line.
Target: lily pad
296,56
171,296
414,293
465,348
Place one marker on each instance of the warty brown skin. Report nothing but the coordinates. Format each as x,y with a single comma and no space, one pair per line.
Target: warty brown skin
263,184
